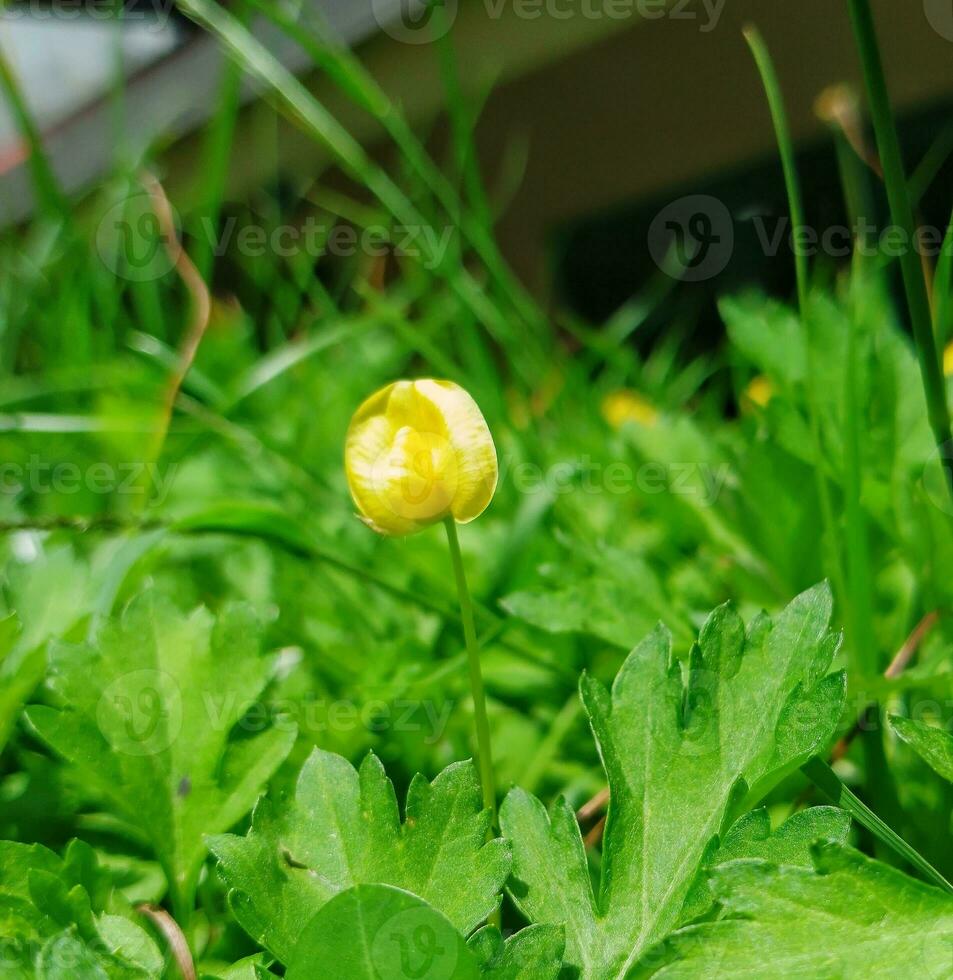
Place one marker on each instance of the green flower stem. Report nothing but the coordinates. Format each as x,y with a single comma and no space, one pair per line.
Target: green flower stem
487,779
827,781
901,213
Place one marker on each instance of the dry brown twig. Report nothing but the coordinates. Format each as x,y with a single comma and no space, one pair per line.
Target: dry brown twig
174,937
201,302
897,666
839,107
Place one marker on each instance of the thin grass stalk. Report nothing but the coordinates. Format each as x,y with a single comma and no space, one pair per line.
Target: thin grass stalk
943,291
827,781
901,211
772,89
355,81
215,160
49,196
838,108
300,105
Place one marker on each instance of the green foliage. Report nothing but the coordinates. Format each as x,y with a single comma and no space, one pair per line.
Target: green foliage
51,596
204,759
849,916
343,829
368,930
933,745
751,836
680,757
533,952
62,917
19,675
145,718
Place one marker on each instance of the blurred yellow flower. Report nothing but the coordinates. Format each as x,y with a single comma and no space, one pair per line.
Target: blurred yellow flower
418,452
948,360
759,392
625,405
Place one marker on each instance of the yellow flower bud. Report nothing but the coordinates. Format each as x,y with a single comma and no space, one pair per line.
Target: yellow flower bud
758,394
418,452
948,360
625,405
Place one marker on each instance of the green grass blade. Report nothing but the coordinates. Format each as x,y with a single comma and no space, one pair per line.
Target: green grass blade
772,89
943,290
49,195
323,127
354,80
827,781
901,210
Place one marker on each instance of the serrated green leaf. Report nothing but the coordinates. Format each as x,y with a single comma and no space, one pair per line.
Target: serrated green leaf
611,595
751,836
343,829
933,745
49,596
768,334
680,758
849,920
533,953
599,606
376,932
148,718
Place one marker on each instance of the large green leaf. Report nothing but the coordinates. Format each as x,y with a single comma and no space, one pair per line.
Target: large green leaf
376,932
933,745
683,760
148,716
343,829
851,919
